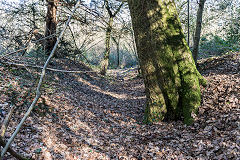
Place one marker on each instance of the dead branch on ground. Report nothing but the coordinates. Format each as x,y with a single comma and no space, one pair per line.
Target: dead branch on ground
50,69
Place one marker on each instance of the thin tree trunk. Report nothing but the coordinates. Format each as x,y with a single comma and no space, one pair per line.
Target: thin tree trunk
170,75
117,42
104,63
51,25
118,52
198,30
6,122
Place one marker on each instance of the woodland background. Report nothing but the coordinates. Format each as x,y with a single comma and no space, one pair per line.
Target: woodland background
82,114
86,35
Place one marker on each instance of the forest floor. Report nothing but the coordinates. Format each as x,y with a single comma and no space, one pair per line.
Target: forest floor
86,116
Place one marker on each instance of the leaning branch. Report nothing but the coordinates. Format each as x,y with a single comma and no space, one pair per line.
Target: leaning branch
11,151
38,93
50,69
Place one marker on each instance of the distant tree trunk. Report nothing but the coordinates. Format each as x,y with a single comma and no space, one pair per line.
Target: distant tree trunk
104,63
170,75
118,51
117,42
51,25
198,30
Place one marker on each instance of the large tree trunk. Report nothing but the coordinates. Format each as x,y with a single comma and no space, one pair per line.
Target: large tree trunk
104,63
170,75
51,25
198,30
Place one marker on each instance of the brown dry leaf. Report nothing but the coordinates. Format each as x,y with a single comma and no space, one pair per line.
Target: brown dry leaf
85,116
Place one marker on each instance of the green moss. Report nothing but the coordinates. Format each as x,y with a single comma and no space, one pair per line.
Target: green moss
191,96
154,113
105,62
169,71
202,80
156,106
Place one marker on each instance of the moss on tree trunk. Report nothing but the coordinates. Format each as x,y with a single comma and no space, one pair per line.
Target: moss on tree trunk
170,75
104,63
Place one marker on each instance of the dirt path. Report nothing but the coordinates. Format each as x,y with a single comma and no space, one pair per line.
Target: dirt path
85,116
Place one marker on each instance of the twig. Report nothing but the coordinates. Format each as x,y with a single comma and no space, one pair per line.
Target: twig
6,121
8,54
29,40
77,46
38,93
23,49
44,38
51,69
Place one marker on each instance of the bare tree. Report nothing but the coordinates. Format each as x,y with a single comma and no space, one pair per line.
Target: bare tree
112,15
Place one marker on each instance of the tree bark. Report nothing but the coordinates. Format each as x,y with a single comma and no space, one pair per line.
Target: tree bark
198,30
104,63
170,75
117,42
118,51
51,25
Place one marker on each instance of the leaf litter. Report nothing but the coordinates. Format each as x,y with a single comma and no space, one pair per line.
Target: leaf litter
86,116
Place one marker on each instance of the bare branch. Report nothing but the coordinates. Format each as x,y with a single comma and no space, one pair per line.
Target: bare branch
51,69
77,46
8,54
118,9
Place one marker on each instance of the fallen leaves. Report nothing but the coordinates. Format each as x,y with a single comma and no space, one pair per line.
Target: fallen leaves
95,118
